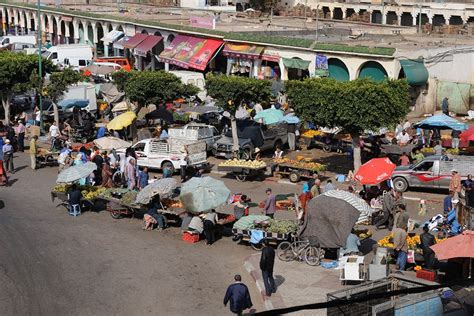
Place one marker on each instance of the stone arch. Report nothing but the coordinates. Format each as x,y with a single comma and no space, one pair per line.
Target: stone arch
89,33
121,29
71,31
338,69
55,31
455,20
33,21
326,12
350,12
337,14
62,29
372,70
392,18
157,34
406,19
81,32
144,32
109,27
376,17
424,19
100,34
25,22
438,20
471,19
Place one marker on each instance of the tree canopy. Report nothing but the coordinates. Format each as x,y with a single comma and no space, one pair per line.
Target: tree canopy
231,91
18,73
145,87
354,106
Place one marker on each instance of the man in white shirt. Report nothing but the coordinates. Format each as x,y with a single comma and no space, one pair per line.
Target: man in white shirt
403,138
53,134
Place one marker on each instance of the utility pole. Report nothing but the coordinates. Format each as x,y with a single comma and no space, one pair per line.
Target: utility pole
317,22
383,12
40,67
419,20
305,5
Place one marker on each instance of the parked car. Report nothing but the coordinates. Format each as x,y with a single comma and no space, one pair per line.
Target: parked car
251,135
432,172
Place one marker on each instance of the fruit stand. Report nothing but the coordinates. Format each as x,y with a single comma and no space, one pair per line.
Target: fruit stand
242,169
89,194
295,170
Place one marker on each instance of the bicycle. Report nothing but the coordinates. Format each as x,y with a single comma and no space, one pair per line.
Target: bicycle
301,250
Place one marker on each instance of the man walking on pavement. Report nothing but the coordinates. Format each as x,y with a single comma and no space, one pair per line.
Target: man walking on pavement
33,151
8,156
239,296
270,204
267,261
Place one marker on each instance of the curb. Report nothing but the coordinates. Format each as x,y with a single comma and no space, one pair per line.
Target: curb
272,302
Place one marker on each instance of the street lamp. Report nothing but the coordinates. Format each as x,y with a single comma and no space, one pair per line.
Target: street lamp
40,65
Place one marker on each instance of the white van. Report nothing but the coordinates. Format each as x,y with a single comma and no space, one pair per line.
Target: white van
77,63
12,39
58,54
194,78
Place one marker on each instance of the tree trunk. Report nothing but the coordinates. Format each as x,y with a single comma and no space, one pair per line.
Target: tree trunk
56,113
235,137
356,151
6,109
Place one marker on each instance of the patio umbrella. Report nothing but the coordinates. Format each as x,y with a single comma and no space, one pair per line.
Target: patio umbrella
375,171
160,113
460,246
111,142
468,135
269,116
203,194
71,103
122,121
331,216
77,172
163,187
290,119
441,121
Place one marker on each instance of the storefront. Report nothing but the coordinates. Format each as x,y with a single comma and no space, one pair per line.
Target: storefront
119,50
147,52
241,57
130,44
190,52
109,39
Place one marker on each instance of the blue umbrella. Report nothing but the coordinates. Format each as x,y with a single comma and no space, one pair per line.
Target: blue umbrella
441,121
290,119
269,116
70,103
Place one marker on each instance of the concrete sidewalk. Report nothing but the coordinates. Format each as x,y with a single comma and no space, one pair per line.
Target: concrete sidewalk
297,284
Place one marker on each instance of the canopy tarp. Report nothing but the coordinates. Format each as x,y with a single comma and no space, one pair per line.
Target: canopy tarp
121,106
441,121
110,93
296,63
190,51
415,72
70,103
119,44
133,41
111,37
245,51
147,45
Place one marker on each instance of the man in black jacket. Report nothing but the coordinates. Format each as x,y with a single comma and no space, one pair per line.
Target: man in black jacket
427,240
267,261
239,296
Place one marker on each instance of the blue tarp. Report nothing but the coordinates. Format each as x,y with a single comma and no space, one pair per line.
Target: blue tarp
70,103
441,121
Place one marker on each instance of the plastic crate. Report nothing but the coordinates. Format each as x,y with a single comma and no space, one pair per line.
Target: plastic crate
426,275
190,238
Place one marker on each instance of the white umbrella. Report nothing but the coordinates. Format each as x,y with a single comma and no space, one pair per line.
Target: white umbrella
77,172
111,142
163,187
203,194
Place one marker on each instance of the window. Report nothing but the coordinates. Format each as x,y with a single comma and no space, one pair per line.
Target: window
215,132
54,56
139,147
82,62
425,166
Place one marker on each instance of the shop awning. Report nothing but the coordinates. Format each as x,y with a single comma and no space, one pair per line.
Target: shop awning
119,44
111,37
415,72
296,63
244,51
134,41
190,52
147,45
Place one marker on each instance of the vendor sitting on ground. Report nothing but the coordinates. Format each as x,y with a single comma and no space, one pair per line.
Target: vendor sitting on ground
241,207
258,154
352,245
278,153
152,217
196,225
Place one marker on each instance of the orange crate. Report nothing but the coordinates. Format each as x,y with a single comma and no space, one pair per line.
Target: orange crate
190,238
426,275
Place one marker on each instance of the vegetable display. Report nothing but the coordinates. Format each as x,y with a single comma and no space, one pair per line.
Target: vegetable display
88,191
313,166
281,227
125,196
250,164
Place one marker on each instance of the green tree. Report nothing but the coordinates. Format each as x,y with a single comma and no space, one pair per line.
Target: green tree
146,87
120,79
231,91
354,106
19,73
58,84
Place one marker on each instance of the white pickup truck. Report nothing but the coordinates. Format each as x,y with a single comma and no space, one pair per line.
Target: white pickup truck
196,132
154,153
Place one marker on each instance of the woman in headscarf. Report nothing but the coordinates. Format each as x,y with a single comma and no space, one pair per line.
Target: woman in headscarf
106,175
79,160
130,174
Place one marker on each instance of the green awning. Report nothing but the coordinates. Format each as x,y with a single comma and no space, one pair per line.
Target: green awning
296,63
415,72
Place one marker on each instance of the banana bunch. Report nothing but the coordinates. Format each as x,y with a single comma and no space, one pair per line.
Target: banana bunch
92,194
312,133
61,188
251,164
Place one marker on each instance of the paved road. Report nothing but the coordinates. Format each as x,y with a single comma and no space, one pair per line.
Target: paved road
51,263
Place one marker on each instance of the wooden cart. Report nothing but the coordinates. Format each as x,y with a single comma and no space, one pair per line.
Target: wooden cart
294,173
62,197
46,158
241,174
118,209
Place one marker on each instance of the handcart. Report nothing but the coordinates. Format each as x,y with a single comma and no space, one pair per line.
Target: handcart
241,174
295,170
45,158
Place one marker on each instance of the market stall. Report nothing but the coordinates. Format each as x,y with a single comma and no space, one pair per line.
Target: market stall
243,169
